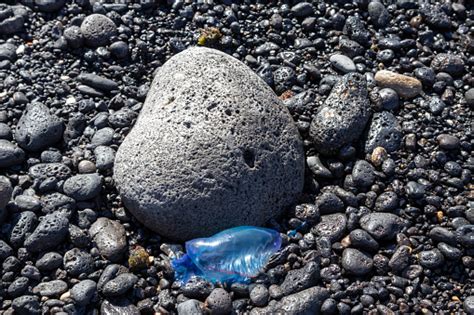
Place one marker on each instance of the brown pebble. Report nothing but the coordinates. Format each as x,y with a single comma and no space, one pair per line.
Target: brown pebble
405,86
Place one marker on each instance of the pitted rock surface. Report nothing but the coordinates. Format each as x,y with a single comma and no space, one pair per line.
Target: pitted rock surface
212,148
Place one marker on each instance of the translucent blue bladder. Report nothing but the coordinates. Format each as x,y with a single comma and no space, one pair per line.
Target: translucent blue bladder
233,255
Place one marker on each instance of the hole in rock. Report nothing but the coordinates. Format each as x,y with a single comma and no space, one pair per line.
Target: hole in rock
249,158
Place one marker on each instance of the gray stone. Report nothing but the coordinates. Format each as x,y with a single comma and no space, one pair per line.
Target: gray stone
405,86
431,259
435,16
435,104
7,51
118,307
343,116
6,190
83,292
122,118
97,30
97,82
42,171
37,128
26,305
332,226
49,261
18,287
83,186
51,288
73,36
356,30
49,5
29,203
120,284
5,250
197,288
362,240
382,225
302,9
259,295
219,302
350,48
378,14
103,136
190,307
306,302
356,262
12,19
23,224
363,174
77,262
468,305
104,157
384,131
109,237
49,233
10,154
342,63
300,279
56,201
5,132
469,96
207,150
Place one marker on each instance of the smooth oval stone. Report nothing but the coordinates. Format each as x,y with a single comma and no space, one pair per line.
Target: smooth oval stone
213,148
405,86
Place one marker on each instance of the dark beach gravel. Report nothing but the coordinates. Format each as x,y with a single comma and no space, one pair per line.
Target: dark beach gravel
381,93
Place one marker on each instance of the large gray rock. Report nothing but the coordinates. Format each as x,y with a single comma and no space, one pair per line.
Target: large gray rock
343,116
38,128
212,148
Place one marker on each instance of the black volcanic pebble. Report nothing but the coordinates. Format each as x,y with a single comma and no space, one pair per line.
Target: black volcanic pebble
356,262
337,123
382,226
38,128
49,233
